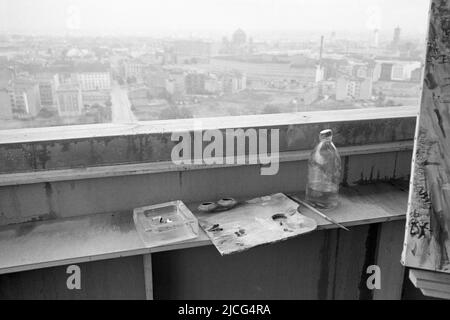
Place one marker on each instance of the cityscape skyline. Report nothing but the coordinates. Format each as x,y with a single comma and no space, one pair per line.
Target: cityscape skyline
211,19
80,78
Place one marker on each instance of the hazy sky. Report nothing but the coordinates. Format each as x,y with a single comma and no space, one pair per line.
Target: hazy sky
155,17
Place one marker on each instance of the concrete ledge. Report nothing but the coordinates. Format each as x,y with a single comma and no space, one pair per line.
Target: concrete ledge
35,150
37,245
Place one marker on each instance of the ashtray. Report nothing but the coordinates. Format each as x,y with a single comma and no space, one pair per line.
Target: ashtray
165,223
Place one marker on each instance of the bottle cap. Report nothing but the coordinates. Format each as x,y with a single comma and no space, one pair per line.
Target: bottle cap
326,134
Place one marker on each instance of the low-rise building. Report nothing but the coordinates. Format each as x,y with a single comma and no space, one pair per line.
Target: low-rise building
175,84
188,51
234,82
307,94
6,111
327,87
91,98
133,69
395,70
155,79
195,83
90,81
399,92
70,101
92,77
25,98
417,74
213,85
48,84
353,88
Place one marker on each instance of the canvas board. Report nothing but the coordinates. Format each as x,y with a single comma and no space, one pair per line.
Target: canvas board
427,243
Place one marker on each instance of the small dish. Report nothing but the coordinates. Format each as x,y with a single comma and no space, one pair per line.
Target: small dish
219,206
227,203
207,207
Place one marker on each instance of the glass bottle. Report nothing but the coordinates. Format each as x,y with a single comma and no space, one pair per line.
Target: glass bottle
324,173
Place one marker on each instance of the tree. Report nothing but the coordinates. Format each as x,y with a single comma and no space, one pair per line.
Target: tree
270,109
380,100
390,103
131,80
175,112
47,113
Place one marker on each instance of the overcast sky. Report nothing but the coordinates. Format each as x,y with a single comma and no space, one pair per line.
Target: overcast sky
214,17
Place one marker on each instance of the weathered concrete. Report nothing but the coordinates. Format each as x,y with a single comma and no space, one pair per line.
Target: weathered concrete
78,153
70,198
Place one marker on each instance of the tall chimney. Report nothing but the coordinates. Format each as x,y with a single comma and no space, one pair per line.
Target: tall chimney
376,38
321,50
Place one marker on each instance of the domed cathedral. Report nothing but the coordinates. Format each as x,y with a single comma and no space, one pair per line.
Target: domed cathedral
239,37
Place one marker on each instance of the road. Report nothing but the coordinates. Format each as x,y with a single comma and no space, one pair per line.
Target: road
121,106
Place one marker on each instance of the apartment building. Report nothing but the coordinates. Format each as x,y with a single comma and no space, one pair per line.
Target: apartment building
353,88
89,81
5,105
48,84
70,102
25,98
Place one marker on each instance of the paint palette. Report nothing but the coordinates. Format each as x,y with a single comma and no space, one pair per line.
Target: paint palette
255,222
165,223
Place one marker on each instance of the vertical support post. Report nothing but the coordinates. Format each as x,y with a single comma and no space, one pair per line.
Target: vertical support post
389,252
148,276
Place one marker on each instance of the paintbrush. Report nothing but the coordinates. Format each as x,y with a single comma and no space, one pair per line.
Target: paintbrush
318,212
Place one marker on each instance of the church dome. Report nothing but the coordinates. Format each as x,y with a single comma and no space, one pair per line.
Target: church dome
239,37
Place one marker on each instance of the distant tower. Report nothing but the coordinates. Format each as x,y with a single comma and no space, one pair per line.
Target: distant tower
3,17
333,37
396,39
376,38
321,50
251,47
239,42
320,73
